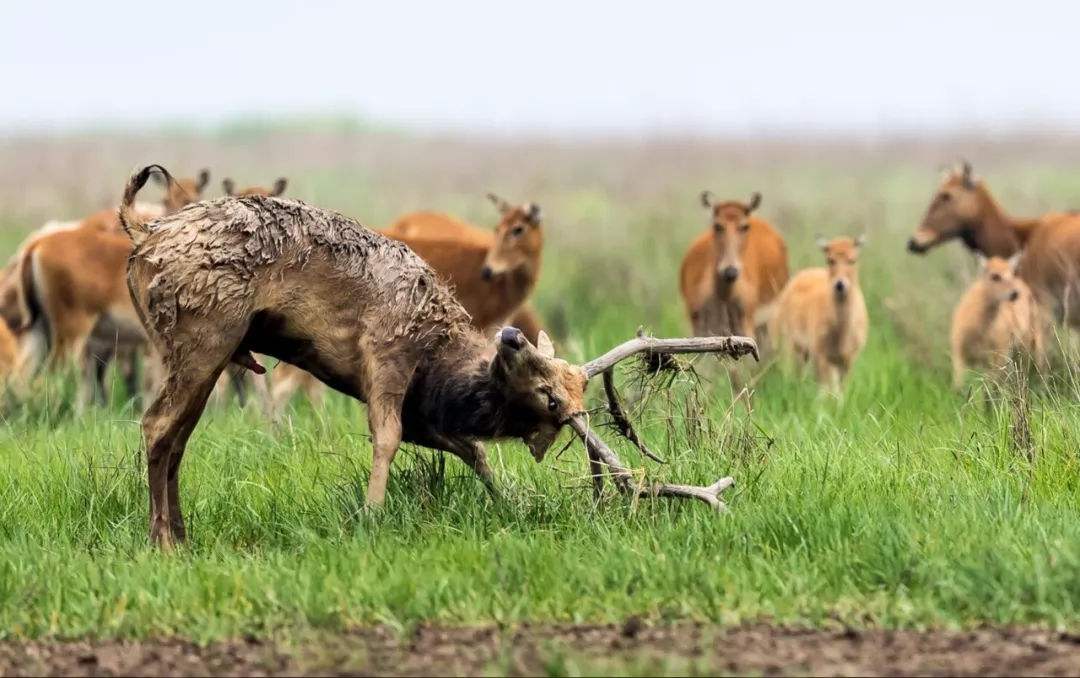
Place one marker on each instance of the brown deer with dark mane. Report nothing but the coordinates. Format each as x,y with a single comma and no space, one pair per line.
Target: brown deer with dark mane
222,279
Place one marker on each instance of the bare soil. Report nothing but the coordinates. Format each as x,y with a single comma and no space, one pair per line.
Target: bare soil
631,646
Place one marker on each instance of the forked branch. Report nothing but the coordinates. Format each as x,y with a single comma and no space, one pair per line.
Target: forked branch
624,479
733,347
621,420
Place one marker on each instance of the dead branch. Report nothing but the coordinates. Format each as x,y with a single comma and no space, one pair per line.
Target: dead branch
734,347
622,421
624,478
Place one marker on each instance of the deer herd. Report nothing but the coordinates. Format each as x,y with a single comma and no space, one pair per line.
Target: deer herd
428,321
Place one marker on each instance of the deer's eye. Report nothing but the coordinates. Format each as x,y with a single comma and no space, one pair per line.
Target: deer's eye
996,277
832,262
744,227
552,403
517,231
944,197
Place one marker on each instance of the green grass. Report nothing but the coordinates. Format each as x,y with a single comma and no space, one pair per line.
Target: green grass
904,504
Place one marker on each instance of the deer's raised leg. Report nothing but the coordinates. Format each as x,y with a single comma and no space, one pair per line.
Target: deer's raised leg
474,456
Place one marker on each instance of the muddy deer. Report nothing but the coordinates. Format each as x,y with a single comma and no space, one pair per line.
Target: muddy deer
732,272
996,319
492,273
821,315
963,208
227,278
73,295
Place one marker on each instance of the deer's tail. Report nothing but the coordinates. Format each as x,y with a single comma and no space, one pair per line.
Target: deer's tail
135,225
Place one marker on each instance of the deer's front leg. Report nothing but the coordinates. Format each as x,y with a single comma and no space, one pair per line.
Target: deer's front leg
384,420
472,453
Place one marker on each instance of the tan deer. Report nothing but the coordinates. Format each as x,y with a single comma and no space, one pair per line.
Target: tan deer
821,314
996,319
73,295
225,278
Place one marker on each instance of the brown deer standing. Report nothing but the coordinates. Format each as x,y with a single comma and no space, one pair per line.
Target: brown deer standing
229,277
73,295
733,272
492,273
963,208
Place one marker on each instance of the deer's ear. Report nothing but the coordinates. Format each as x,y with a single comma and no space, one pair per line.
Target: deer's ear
544,345
706,198
860,240
279,186
499,203
203,180
532,213
967,175
822,243
981,258
755,202
1014,260
228,186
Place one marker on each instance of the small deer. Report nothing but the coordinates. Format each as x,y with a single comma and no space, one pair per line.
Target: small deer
996,318
492,274
72,294
733,272
227,278
821,314
962,207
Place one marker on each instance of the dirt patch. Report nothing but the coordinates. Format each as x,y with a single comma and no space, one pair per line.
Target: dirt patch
631,647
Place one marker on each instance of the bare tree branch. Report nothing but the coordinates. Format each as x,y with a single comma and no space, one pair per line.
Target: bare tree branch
622,422
734,347
624,478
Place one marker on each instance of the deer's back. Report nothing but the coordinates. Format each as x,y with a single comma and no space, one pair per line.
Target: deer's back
231,258
1051,261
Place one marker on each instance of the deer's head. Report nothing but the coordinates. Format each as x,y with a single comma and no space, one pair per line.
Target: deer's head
519,239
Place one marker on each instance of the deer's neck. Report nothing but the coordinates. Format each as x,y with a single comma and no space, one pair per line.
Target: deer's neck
996,234
457,394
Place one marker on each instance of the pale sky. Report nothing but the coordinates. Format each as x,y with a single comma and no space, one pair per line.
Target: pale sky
718,67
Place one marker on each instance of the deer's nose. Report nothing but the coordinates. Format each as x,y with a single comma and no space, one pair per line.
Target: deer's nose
486,273
1014,295
730,273
512,338
914,246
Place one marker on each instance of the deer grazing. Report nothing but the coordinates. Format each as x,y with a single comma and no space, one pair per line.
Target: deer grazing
72,291
230,277
963,208
733,272
996,319
821,314
492,273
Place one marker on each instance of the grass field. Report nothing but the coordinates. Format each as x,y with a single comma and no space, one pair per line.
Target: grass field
903,505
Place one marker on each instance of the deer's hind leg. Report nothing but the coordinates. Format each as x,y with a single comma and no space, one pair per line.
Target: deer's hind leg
189,379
